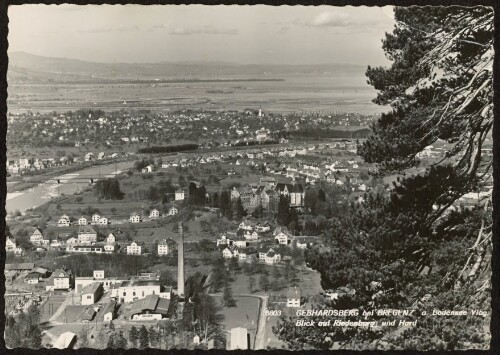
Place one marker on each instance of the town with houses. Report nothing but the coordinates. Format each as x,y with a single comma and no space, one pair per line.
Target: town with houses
255,208
250,213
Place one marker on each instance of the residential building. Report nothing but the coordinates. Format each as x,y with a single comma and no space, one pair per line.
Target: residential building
10,244
179,195
63,221
36,237
95,218
272,257
92,293
87,235
103,221
111,238
134,249
163,247
293,298
239,241
135,218
229,252
59,280
246,225
282,235
147,169
304,242
173,211
82,221
109,248
154,214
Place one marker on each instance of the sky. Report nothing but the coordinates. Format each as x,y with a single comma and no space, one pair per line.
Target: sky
256,34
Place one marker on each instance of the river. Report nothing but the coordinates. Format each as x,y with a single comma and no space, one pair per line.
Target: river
42,193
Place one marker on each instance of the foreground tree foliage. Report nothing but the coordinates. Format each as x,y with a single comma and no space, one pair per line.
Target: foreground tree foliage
22,330
405,248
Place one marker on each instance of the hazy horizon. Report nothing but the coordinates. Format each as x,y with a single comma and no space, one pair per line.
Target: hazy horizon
187,61
246,35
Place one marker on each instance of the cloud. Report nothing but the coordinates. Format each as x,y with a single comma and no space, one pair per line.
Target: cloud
283,29
331,19
158,27
182,31
127,29
96,30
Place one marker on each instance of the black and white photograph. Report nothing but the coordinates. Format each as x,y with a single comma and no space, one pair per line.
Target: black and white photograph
249,177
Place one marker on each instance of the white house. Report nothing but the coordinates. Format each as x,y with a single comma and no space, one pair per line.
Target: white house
148,169
163,247
246,225
179,195
134,249
72,241
282,235
251,235
230,252
293,298
87,235
89,156
60,280
109,248
272,257
154,214
173,211
103,221
111,238
95,218
240,241
36,237
135,218
63,221
10,244
82,221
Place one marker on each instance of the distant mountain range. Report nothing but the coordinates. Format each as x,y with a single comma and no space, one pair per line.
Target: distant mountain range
25,67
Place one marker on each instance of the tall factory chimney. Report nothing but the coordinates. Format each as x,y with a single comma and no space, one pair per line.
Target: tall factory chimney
180,265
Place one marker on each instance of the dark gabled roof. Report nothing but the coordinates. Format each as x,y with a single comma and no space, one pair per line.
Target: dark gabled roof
298,188
281,186
151,303
87,229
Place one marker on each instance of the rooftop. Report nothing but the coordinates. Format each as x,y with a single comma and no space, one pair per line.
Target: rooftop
131,283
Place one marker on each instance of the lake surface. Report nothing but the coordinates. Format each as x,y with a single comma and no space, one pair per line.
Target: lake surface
311,92
44,192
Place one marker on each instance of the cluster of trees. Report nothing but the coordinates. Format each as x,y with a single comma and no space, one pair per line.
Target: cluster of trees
23,330
197,195
404,248
142,338
231,209
168,149
108,189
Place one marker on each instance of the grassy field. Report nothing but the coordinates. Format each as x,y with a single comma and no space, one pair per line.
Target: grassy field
245,314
